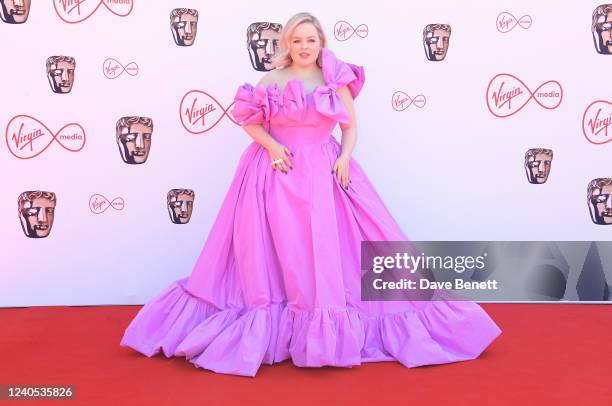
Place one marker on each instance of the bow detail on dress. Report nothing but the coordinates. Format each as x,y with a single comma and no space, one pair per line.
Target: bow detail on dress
328,103
336,74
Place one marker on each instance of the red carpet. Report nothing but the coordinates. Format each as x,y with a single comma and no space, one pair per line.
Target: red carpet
548,354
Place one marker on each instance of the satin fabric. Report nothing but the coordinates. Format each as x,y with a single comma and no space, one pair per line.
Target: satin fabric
279,275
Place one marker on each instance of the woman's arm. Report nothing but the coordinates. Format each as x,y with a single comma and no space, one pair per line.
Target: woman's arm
276,150
349,130
349,138
259,134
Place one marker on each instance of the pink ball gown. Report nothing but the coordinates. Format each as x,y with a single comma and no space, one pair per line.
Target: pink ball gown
279,275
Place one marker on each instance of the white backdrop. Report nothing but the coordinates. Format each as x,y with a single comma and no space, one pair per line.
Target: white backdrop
447,171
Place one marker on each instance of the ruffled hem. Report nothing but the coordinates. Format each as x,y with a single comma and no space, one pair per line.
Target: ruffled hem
238,341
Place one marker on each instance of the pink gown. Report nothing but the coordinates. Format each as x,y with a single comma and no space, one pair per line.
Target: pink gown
279,275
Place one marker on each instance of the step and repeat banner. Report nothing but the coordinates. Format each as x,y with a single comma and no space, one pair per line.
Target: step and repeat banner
477,121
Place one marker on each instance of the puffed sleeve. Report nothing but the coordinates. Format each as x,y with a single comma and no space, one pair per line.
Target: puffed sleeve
253,105
338,73
356,84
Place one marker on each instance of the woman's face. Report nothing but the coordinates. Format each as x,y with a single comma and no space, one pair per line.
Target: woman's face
305,44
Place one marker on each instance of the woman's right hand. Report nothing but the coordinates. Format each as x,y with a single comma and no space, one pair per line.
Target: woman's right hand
278,151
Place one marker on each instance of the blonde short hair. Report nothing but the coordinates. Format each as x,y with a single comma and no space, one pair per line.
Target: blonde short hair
282,57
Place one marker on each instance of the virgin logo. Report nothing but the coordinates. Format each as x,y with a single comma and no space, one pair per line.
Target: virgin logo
27,137
343,30
596,121
76,11
400,101
200,112
506,22
112,68
99,204
507,95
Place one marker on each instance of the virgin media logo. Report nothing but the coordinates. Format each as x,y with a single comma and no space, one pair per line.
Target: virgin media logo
400,101
200,112
343,30
27,137
112,68
506,22
507,95
76,11
98,203
596,121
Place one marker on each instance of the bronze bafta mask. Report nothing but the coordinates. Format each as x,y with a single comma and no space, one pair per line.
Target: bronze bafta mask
14,11
599,199
184,26
180,205
538,162
36,212
601,27
436,38
134,138
262,43
60,72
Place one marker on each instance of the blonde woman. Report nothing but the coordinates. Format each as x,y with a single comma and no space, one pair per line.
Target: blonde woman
279,275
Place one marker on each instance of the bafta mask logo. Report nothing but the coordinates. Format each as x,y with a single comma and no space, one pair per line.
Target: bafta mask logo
601,28
537,164
180,205
60,72
184,25
14,11
262,44
599,199
134,138
36,210
435,40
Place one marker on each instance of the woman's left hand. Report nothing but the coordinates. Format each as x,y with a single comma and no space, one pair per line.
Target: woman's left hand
341,168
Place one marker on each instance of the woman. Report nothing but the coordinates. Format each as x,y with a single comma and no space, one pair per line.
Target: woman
279,275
